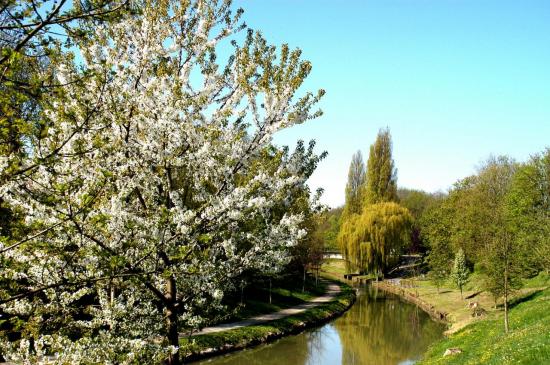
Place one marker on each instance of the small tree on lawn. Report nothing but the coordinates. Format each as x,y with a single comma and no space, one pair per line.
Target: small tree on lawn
459,273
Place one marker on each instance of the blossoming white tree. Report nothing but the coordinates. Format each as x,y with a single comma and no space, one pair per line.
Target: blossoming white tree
151,194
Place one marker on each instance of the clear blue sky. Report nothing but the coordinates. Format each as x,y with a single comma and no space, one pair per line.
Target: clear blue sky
455,80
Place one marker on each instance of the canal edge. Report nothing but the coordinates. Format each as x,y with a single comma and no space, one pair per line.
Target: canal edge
274,330
430,309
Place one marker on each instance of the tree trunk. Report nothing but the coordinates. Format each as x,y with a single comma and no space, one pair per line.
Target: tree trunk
269,290
172,321
461,296
506,327
317,277
112,294
242,288
304,281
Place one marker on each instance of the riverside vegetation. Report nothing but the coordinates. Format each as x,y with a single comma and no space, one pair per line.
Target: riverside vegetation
489,236
204,345
142,195
482,340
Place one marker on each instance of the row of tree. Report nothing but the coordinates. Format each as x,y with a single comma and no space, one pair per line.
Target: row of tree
139,182
498,221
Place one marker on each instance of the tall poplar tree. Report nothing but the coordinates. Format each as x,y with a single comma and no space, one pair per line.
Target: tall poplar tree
381,185
355,185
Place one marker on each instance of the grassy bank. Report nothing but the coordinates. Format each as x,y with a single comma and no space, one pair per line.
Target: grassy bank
482,339
336,268
485,342
217,343
285,294
448,300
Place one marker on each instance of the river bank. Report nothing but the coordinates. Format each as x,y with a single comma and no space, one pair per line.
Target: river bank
412,297
379,328
217,343
485,342
447,304
481,339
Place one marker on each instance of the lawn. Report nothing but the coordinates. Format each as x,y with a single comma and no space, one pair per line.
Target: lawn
485,342
449,300
334,268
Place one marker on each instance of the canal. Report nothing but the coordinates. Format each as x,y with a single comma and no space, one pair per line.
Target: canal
379,329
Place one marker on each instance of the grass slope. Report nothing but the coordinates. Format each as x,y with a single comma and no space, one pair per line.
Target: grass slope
485,342
448,298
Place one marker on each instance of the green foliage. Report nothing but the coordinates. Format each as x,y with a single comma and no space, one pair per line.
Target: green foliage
381,185
355,186
460,272
328,227
439,260
528,208
309,250
435,225
499,218
418,203
484,342
374,240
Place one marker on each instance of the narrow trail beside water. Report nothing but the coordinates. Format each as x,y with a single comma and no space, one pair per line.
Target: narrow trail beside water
332,291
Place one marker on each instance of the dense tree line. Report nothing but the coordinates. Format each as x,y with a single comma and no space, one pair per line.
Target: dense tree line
497,221
328,227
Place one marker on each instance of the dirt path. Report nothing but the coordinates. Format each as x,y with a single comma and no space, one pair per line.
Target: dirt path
332,290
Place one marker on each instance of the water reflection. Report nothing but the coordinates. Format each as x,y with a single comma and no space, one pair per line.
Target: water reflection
379,329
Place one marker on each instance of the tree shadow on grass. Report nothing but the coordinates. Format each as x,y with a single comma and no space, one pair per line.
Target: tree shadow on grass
518,300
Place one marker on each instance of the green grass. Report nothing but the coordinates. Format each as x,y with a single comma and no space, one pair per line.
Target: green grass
252,335
336,268
484,342
448,298
542,280
256,300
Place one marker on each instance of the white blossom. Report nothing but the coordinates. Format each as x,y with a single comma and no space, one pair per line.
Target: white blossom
150,179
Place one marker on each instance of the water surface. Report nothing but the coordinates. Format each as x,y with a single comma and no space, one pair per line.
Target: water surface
379,329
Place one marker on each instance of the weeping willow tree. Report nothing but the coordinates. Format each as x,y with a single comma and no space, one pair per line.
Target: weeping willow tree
374,239
374,232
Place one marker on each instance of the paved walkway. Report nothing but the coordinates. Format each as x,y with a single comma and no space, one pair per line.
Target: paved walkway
332,290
